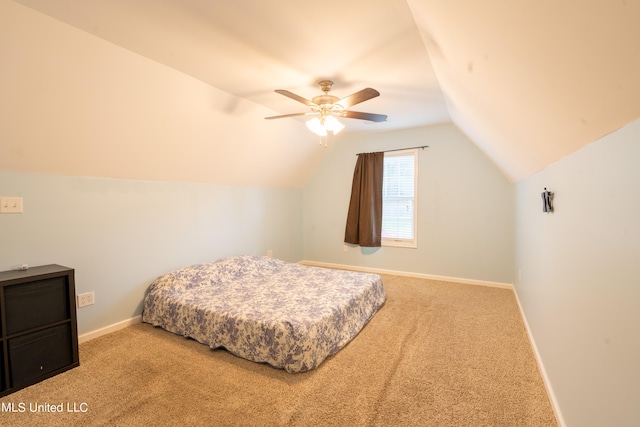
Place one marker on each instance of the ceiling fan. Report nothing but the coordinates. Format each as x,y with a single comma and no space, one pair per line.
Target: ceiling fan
327,107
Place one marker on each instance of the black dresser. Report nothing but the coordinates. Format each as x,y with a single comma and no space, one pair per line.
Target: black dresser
39,325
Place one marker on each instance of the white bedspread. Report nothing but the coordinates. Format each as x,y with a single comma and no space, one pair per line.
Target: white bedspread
265,310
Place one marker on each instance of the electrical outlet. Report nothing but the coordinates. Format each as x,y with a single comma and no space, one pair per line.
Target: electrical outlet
270,253
85,299
10,204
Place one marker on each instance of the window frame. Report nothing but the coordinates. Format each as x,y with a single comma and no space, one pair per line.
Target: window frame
400,242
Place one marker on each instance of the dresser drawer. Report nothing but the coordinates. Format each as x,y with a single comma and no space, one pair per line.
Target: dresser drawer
37,303
40,353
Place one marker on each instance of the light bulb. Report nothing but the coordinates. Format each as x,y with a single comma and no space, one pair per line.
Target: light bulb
316,127
332,124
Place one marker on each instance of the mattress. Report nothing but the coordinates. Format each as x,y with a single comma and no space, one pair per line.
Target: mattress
265,310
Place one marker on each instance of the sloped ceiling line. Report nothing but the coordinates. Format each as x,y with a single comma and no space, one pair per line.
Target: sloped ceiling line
529,83
533,82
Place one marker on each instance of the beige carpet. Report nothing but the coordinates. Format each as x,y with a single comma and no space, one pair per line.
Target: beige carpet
436,354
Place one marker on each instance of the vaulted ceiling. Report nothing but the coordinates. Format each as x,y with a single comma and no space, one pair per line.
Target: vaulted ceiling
528,82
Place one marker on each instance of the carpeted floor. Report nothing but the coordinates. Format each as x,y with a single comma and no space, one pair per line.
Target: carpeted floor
436,354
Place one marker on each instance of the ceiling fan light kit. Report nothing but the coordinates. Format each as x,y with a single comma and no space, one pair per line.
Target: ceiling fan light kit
327,108
324,125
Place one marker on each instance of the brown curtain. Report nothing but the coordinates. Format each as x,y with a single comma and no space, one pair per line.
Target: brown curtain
364,219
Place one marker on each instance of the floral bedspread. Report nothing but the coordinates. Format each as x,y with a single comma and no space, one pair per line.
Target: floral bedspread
288,315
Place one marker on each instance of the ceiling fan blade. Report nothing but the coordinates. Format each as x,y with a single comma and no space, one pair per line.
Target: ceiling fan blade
358,97
364,116
285,115
295,97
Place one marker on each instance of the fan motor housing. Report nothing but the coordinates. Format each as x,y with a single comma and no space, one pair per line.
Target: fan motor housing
325,99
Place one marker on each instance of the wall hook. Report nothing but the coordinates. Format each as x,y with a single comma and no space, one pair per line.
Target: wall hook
547,201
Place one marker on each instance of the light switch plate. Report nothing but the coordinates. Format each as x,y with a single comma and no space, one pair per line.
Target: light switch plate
10,204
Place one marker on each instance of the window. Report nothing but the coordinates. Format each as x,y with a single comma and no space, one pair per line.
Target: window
399,199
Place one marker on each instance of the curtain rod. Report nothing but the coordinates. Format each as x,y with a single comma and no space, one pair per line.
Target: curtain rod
400,149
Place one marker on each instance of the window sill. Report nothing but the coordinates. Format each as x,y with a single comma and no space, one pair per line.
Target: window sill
399,243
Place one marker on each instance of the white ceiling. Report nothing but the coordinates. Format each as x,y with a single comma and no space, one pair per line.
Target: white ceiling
249,48
528,82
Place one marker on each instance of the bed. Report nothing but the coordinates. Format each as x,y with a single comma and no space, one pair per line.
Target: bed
265,310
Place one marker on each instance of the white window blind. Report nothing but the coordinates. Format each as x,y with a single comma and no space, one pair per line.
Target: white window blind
399,204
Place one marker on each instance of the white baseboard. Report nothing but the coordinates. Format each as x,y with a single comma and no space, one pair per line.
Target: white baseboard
409,274
108,329
543,372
